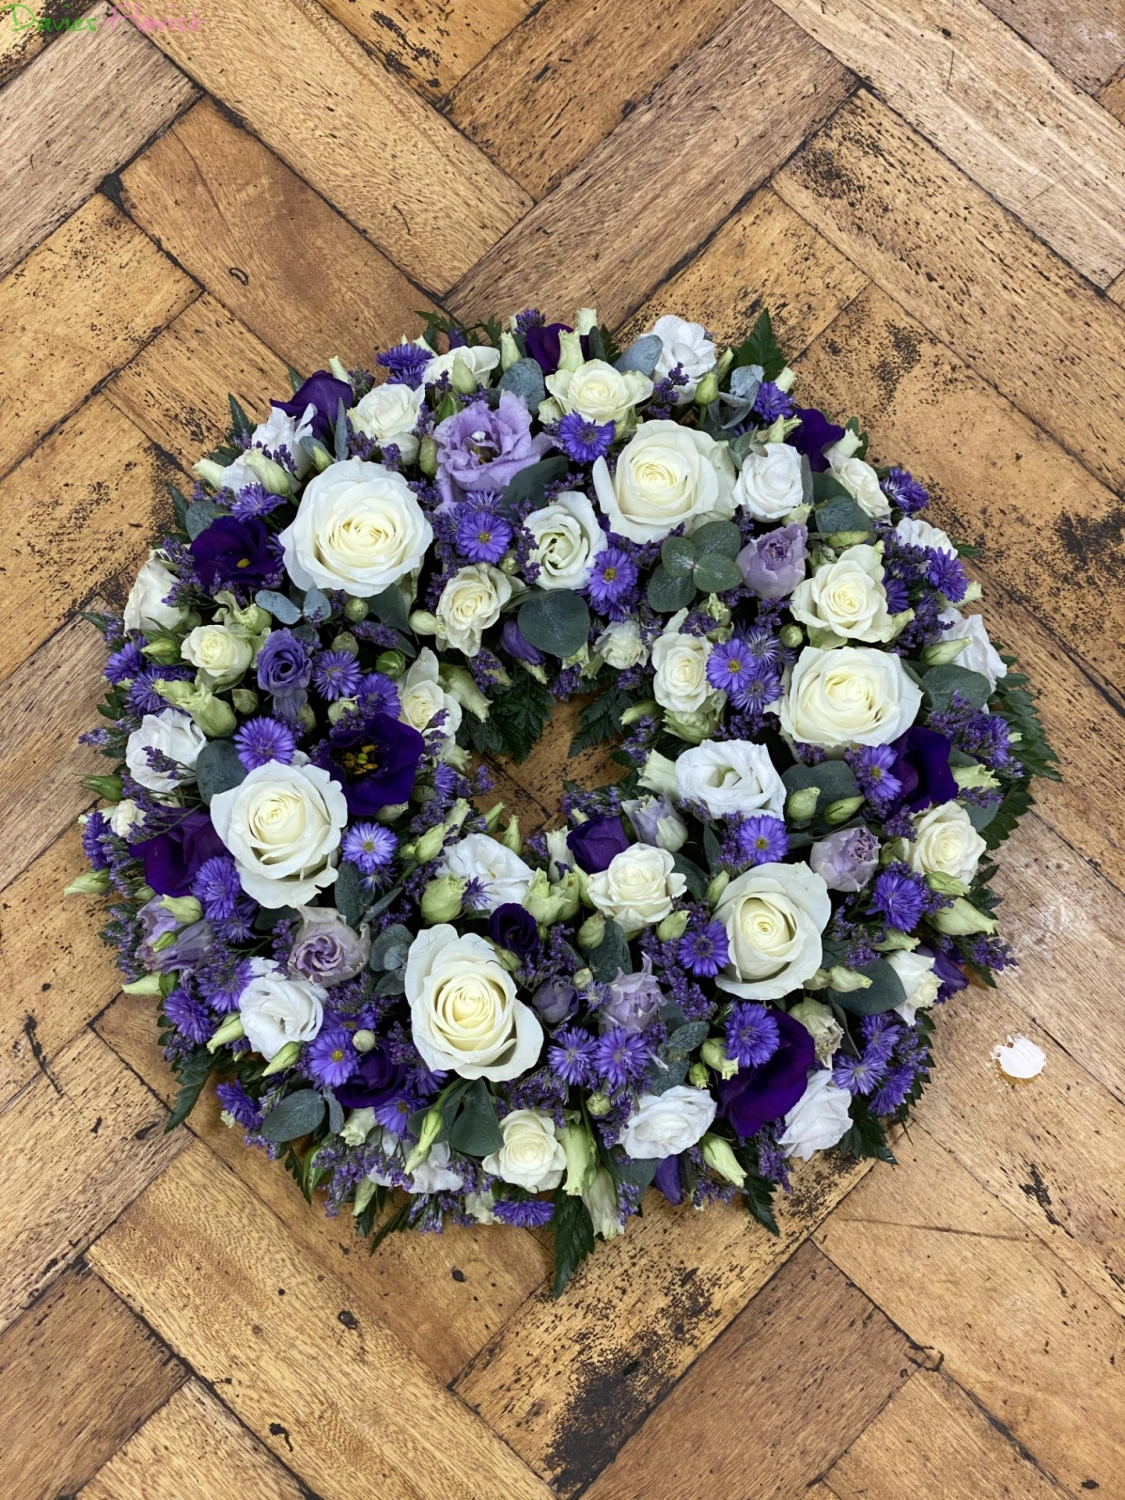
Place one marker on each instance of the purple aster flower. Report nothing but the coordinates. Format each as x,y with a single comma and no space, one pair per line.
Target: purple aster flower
324,392
406,363
243,555
378,695
261,740
898,595
881,1034
815,434
899,895
393,1114
873,767
370,846
613,579
620,1057
947,574
188,1016
480,448
216,887
124,664
330,1058
584,441
903,490
532,1213
730,666
530,318
336,674
704,950
772,402
756,1095
254,500
482,535
571,1055
859,1075
752,1034
142,697
763,839
894,1091
239,1105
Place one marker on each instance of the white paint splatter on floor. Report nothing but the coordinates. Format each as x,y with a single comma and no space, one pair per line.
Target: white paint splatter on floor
1018,1059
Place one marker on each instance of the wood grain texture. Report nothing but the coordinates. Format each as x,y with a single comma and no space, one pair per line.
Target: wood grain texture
795,1378
78,1372
1112,97
192,1447
83,107
586,67
313,1373
1086,42
346,125
976,279
736,109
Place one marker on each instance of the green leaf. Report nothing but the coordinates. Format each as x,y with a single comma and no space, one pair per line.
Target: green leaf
295,1115
389,949
476,1131
685,1039
697,881
866,1136
349,893
180,504
392,983
192,1072
295,380
335,1112
678,555
712,849
660,1080
942,682
397,1222
1017,801
530,483
241,421
556,620
642,354
341,432
389,608
638,1172
515,722
759,1200
199,516
761,348
317,608
268,917
217,769
667,594
278,605
825,486
981,817
833,779
885,993
611,956
525,379
573,1238
841,513
599,720
716,573
722,537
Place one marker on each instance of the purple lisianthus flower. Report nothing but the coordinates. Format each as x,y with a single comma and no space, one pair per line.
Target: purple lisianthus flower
375,1082
325,949
191,947
757,1095
173,857
815,434
669,1180
773,565
323,391
543,346
555,999
634,1000
952,978
922,768
515,643
513,927
595,843
846,859
375,761
243,555
285,670
482,449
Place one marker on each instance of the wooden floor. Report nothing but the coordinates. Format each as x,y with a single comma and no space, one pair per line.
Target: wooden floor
932,197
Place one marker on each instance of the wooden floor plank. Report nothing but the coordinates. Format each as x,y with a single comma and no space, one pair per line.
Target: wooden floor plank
313,1373
962,1277
192,1447
972,275
1112,97
78,307
267,246
1086,42
83,107
78,1372
585,67
735,110
930,1439
388,161
79,1143
796,1377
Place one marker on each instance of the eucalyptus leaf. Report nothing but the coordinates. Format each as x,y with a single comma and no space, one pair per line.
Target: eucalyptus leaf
825,486
295,380
744,382
678,555
297,1114
885,993
697,881
808,494
268,917
217,769
722,537
199,516
349,893
712,849
383,902
611,956
638,1172
717,574
389,608
660,1080
388,951
642,354
841,513
981,817
307,633
667,594
530,483
335,1112
556,620
278,605
341,432
525,379
685,1039
317,607
833,779
942,682
476,1131
393,982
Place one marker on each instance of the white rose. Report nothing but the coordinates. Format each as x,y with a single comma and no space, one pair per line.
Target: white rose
620,645
421,696
568,540
680,662
358,528
175,734
598,392
125,818
862,484
946,843
637,889
668,1123
980,655
434,1175
478,359
847,597
770,484
774,915
145,608
470,602
478,856
821,1025
921,984
687,345
389,414
666,475
220,655
464,1015
532,1156
280,430
819,1119
283,826
916,533
276,1010
730,776
850,695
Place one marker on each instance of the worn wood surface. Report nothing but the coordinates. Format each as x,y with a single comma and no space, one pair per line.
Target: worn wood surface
930,199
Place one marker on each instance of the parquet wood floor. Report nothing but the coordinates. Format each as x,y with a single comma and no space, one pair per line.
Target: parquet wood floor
931,195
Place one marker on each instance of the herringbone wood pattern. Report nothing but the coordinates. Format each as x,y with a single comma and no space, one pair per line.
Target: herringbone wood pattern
932,198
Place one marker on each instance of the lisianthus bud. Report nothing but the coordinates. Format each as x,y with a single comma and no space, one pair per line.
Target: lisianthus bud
801,805
570,890
461,377
214,716
845,980
698,1076
427,456
895,941
659,775
716,888
841,811
459,682
273,477
510,838
285,1058
183,909
598,1105
229,1030
570,351
673,926
720,1157
364,1040
355,610
585,321
972,592
592,931
148,985
163,649
391,664
244,620
554,1000
821,1025
364,1192
581,1157
786,380
358,1126
543,900
429,846
245,700
509,351
492,816
345,641
962,919
306,717
342,706
600,1198
693,728
91,883
842,539
942,652
707,390
714,1054
108,787
431,1129
946,885
321,458
441,900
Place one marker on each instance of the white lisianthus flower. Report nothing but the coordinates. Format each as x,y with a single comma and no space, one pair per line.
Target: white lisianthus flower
221,656
769,484
680,669
280,430
847,597
598,392
980,655
730,776
464,1015
434,1175
656,821
145,608
358,1126
946,843
283,825
478,856
600,1198
421,696
389,414
559,853
668,1123
568,540
820,1118
921,984
850,695
620,645
774,915
358,528
470,602
666,475
277,1010
478,359
173,733
687,345
637,889
532,1156
918,533
658,774
125,818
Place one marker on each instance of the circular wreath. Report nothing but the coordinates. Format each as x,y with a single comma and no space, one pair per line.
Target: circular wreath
727,959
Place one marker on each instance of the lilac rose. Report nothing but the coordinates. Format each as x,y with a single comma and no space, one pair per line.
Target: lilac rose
773,565
846,859
325,949
554,1000
634,1001
482,449
285,670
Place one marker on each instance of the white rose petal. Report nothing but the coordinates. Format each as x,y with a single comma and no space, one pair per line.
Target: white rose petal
850,695
916,533
638,888
503,873
920,983
125,818
666,475
620,645
421,697
860,480
532,1156
276,1010
598,392
283,825
145,608
946,843
221,656
389,414
769,484
668,1123
730,776
173,733
568,540
687,345
680,669
980,655
280,430
774,915
470,602
819,1119
847,597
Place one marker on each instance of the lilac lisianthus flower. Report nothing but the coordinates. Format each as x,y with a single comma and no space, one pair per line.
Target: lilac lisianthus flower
595,843
324,392
482,449
325,949
634,1000
846,859
156,922
172,858
191,947
555,999
285,670
755,1096
516,644
773,565
375,761
233,554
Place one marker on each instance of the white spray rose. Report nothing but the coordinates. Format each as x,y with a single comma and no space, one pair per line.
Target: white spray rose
730,776
920,983
173,733
680,662
666,475
464,1015
221,656
389,414
774,915
597,392
668,1123
850,695
620,645
145,608
637,889
769,484
283,825
847,597
478,359
687,345
532,1156
126,818
980,655
478,856
434,1175
568,540
946,843
276,1010
470,602
421,696
918,533
280,430
858,478
819,1119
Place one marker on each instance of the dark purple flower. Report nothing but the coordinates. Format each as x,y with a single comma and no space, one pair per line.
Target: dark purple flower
263,739
369,846
555,999
952,978
614,577
595,843
513,927
763,839
529,1213
703,951
515,643
752,1034
484,449
922,768
633,1002
815,434
903,490
375,760
243,555
482,535
774,564
216,887
336,674
900,895
542,344
376,1081
172,858
668,1179
325,392
756,1095
584,441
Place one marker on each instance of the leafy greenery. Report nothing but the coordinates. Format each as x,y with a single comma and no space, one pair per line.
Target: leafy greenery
884,992
600,719
761,348
295,1115
192,1072
556,620
476,1131
1017,704
573,1238
866,1136
515,722
759,1200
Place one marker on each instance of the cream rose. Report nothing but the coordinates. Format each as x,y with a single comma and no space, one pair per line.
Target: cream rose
687,345
667,475
470,602
668,1123
174,734
919,982
850,695
774,915
358,528
847,597
770,484
277,1010
568,540
220,655
145,608
532,1156
503,873
598,392
980,655
680,662
283,825
946,843
620,645
389,414
820,1118
730,776
862,484
464,1015
422,696
637,889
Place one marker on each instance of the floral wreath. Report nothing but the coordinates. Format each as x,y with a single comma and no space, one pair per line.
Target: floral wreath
724,961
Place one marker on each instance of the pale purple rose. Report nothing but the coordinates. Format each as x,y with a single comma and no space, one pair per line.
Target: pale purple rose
326,950
482,449
634,1000
846,859
554,1000
773,565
